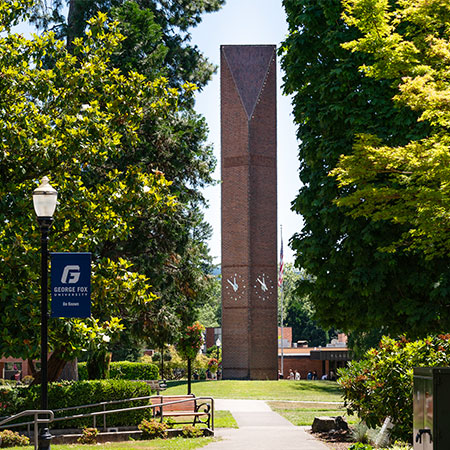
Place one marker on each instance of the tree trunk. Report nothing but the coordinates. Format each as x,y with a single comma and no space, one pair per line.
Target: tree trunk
32,367
70,371
72,14
55,365
189,375
162,363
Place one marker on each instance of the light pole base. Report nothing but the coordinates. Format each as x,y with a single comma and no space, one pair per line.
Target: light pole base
44,439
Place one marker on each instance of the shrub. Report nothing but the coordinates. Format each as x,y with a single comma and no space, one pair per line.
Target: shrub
400,446
27,379
189,431
10,438
176,367
9,398
381,384
360,446
82,371
360,433
125,370
152,429
134,371
156,357
89,436
76,393
170,421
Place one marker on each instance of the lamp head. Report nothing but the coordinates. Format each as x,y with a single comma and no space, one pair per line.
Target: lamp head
44,199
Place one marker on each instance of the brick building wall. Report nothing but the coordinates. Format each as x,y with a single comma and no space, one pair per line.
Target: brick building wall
249,212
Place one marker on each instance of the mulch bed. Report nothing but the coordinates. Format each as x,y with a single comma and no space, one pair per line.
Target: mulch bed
338,440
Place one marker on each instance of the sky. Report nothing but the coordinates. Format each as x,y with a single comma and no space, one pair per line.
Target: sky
249,22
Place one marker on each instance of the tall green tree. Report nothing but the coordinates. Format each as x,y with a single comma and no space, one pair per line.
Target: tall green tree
175,18
299,312
69,121
210,314
353,285
409,45
170,250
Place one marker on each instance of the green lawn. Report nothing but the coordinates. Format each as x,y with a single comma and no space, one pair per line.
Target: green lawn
304,390
301,413
163,444
224,419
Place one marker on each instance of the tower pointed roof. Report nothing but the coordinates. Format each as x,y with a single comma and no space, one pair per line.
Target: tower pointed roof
249,65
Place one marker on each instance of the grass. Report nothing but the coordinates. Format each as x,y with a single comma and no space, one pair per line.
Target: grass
301,413
303,390
163,444
224,419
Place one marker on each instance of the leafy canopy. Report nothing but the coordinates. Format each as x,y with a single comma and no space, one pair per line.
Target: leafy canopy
170,249
409,45
69,121
353,285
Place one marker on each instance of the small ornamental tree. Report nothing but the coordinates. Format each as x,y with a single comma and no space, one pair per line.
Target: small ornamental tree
381,383
189,345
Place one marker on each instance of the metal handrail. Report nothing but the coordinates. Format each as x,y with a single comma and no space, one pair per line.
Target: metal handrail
36,420
104,412
131,408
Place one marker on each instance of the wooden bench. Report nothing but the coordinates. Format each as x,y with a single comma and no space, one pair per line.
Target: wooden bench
198,409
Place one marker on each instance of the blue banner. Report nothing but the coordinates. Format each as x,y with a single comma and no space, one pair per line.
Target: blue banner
71,284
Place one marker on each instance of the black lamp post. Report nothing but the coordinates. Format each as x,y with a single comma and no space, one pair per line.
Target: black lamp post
44,201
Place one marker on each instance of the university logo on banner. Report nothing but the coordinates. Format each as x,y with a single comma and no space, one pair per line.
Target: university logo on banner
71,285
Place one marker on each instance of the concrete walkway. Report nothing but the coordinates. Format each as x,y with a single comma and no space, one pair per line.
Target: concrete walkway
261,429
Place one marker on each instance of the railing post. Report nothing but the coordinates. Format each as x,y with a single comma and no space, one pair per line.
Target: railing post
104,418
35,431
212,413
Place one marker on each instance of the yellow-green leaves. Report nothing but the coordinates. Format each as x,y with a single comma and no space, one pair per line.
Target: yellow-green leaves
408,184
12,11
74,117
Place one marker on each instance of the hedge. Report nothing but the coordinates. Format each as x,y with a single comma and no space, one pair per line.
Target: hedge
76,393
126,370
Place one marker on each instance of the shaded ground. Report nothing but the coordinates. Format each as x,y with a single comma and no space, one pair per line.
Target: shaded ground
335,441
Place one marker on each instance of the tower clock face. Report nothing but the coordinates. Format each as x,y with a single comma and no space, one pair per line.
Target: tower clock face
263,286
234,286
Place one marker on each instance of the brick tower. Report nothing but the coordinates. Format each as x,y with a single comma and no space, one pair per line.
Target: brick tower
249,212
